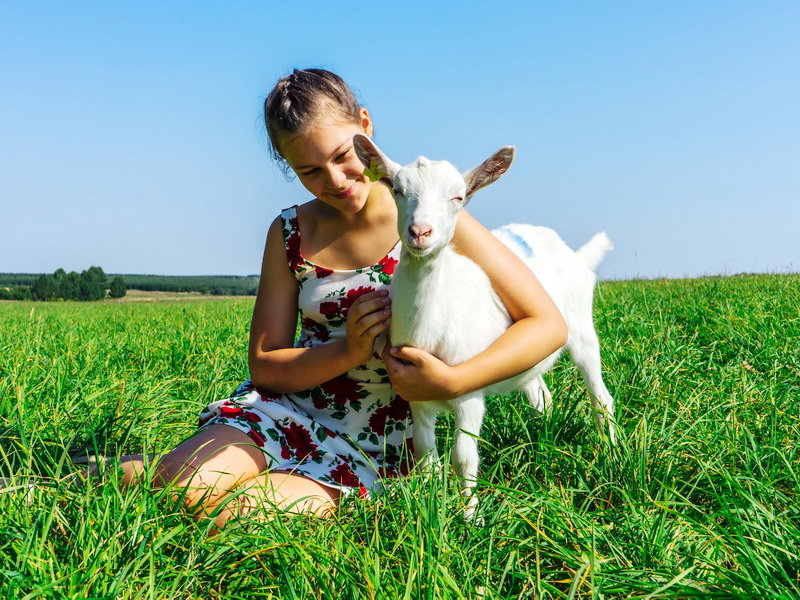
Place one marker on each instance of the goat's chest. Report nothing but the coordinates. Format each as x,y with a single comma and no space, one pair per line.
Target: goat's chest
451,312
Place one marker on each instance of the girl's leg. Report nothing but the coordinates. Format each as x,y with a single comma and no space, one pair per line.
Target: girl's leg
282,491
133,468
207,467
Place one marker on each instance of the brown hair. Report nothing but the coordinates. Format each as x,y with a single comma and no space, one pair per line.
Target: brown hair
301,98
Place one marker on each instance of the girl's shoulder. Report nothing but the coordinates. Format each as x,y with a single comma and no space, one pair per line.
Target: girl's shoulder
311,213
308,213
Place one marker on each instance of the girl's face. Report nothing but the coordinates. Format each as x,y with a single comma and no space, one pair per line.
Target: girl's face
327,166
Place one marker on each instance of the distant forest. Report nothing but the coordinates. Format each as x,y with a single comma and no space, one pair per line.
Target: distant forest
94,284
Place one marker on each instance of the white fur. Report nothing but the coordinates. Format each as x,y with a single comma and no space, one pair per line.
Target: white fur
444,303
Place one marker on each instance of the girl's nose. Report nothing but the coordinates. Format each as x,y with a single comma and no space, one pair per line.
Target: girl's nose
337,178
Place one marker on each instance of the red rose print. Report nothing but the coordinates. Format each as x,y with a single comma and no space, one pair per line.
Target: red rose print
387,472
256,436
387,264
343,389
344,475
251,417
329,309
377,421
320,402
230,411
299,439
286,454
293,251
352,296
318,330
322,272
399,409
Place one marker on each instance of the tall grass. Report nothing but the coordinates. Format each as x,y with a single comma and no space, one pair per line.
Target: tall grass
698,500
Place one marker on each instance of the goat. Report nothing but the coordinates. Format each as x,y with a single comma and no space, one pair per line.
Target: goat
442,302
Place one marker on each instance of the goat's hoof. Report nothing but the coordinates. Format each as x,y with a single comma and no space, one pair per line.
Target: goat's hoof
469,512
473,519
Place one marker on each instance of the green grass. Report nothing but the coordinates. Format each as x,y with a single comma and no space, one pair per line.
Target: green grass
699,499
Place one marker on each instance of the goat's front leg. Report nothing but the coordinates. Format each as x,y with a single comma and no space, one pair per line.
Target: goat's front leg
468,420
424,415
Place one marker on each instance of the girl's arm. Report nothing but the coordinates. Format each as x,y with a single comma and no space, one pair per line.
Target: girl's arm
537,331
275,366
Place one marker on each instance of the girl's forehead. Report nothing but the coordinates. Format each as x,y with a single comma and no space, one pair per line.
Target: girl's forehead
319,144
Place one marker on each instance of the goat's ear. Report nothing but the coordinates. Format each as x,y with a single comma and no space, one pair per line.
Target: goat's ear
489,170
378,166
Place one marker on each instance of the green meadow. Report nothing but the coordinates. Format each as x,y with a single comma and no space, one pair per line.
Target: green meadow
700,498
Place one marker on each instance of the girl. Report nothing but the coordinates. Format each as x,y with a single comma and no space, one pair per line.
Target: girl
326,415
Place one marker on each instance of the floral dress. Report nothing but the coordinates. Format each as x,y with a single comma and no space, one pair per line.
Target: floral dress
349,432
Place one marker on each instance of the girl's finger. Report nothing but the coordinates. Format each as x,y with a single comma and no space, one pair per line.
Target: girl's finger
372,319
408,355
362,309
375,330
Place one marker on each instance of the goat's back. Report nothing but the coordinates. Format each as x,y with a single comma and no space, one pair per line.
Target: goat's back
568,276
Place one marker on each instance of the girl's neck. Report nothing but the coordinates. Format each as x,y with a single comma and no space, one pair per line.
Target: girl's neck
344,241
377,210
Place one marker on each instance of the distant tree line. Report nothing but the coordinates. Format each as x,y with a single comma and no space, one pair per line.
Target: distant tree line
91,284
216,285
88,285
17,292
68,286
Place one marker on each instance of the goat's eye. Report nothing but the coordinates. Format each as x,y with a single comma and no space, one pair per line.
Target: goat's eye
458,199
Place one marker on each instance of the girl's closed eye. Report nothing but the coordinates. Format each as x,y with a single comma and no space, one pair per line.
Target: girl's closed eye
342,157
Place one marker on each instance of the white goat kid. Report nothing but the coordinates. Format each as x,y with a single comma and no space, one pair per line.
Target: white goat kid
443,303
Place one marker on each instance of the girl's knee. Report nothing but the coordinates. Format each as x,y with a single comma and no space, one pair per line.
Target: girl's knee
209,466
218,452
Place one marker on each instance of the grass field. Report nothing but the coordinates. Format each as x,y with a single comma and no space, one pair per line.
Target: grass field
699,499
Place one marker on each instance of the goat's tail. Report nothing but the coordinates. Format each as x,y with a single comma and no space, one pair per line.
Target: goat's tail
595,249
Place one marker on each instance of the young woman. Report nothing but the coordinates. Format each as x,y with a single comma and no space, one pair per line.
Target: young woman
328,415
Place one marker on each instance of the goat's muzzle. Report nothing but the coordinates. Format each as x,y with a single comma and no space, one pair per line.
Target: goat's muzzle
419,235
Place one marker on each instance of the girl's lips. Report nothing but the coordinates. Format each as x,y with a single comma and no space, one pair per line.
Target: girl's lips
345,194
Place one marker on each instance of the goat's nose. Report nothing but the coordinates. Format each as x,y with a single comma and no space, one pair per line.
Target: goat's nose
420,231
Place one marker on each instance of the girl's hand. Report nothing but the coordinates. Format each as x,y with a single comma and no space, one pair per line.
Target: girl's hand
367,318
418,375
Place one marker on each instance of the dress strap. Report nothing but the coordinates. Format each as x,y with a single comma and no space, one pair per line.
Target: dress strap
291,238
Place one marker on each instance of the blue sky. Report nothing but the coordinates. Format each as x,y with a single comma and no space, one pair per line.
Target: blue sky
132,137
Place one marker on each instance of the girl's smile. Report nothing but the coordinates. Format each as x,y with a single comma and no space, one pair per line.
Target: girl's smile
347,193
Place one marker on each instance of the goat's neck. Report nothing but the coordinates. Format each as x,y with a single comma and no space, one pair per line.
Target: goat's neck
415,286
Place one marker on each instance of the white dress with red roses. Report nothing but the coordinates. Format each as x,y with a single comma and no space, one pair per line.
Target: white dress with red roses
346,433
